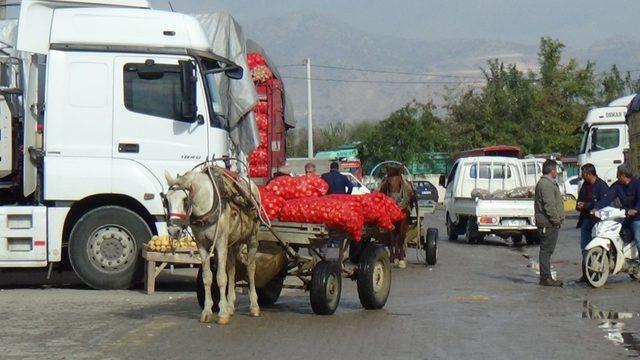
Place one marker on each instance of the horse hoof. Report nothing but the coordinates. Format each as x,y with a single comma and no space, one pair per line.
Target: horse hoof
224,320
206,318
402,264
231,311
254,312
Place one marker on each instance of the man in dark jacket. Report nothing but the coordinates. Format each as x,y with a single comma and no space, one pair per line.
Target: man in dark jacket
627,190
338,183
549,210
593,190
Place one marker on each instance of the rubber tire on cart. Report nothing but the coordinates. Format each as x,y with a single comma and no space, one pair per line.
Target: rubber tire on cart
431,246
325,287
270,293
110,261
517,239
473,235
215,291
374,277
452,232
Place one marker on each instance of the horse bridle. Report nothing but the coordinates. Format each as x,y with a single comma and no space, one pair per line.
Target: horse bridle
188,206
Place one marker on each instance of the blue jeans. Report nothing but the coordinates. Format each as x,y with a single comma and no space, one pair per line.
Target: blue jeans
634,225
586,229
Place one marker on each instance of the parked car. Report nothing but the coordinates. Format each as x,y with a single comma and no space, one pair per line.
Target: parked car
572,186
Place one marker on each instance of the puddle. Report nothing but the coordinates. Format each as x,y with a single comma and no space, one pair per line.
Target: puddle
613,327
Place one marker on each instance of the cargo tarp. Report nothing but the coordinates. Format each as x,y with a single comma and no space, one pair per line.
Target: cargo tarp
238,96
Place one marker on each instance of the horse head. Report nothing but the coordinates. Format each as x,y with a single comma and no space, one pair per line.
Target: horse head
178,202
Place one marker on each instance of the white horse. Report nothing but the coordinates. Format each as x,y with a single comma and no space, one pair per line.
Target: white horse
210,203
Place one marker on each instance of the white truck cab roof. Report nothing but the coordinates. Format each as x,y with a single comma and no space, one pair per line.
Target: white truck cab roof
117,23
614,113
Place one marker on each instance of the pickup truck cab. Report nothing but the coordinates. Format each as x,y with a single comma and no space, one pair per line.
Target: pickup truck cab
480,199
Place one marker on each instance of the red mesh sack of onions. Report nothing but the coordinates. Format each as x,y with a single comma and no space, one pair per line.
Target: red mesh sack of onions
395,213
261,73
255,59
333,213
271,203
377,210
258,156
262,121
295,187
258,170
261,108
264,139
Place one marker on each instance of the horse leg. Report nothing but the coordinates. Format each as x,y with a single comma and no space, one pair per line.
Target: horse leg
207,278
231,275
252,249
223,305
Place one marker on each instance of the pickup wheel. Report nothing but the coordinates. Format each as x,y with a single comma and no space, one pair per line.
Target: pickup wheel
452,233
105,246
517,239
532,238
473,235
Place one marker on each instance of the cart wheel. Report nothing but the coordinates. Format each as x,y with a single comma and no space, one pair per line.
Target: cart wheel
269,294
374,277
215,292
431,246
326,286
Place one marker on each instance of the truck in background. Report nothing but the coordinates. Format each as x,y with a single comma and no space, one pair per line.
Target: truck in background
122,107
606,138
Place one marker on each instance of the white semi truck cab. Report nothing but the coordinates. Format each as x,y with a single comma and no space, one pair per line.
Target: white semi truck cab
606,137
110,94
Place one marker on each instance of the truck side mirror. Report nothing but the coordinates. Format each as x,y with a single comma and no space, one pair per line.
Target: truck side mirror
235,72
188,80
442,180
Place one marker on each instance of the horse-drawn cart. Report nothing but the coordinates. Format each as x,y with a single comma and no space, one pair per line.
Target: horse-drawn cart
293,250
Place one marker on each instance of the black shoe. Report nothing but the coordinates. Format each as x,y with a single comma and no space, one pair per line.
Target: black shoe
550,282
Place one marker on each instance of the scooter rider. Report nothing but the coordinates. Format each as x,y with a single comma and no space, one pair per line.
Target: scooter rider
627,190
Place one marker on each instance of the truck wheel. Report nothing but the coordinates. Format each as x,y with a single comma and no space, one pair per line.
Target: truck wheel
517,239
374,278
269,294
532,239
326,286
595,266
431,246
452,232
105,246
473,235
215,291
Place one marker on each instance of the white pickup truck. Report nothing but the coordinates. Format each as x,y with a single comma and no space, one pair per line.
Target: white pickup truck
477,216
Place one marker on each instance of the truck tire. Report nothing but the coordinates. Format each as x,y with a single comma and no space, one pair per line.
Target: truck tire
374,277
105,246
452,231
517,239
473,235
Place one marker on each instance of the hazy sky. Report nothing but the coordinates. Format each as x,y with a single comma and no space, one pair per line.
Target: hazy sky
576,22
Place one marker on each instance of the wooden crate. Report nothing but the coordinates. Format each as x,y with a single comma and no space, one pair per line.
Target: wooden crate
153,258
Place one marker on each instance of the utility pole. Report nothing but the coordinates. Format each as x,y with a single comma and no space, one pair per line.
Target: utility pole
3,9
309,112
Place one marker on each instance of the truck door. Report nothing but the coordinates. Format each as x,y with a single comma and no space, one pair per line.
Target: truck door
605,150
149,134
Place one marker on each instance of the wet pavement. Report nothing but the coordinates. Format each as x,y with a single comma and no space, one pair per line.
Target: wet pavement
479,302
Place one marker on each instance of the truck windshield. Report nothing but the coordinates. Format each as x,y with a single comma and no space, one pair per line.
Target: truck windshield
583,144
604,139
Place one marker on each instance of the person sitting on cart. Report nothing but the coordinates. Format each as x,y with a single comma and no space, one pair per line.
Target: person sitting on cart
282,171
627,191
310,169
338,183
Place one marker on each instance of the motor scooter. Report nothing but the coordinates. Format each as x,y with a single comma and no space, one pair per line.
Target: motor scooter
612,249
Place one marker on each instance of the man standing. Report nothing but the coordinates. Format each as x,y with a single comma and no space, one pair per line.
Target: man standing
627,190
593,190
310,169
549,210
338,183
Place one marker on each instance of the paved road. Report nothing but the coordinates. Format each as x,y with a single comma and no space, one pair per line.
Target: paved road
478,302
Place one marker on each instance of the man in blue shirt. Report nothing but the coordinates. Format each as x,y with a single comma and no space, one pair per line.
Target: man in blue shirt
592,190
627,190
338,183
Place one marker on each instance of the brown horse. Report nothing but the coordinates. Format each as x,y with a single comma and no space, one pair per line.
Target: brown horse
399,189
